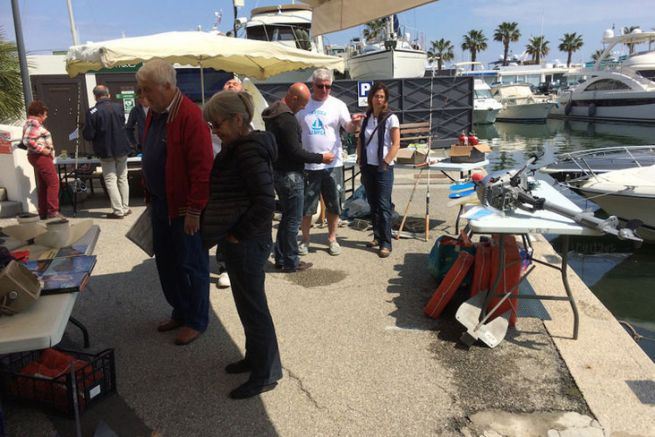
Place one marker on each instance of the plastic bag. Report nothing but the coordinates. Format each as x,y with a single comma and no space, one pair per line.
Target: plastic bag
444,253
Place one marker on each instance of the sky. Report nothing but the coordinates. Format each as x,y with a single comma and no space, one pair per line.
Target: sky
46,24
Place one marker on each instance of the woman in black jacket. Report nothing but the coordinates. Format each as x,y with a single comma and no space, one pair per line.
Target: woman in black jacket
239,218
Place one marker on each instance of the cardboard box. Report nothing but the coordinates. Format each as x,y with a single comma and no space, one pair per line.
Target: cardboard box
410,156
466,154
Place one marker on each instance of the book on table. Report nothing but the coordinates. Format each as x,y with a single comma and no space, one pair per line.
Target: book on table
64,274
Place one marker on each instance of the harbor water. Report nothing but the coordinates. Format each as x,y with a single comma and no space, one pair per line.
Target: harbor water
621,275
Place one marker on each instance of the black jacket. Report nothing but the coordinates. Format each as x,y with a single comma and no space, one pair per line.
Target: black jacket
241,193
281,122
105,128
136,120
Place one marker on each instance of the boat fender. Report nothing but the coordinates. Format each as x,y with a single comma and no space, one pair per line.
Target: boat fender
568,107
592,110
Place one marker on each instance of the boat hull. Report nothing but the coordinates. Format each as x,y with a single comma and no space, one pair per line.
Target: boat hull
533,112
387,64
608,110
485,116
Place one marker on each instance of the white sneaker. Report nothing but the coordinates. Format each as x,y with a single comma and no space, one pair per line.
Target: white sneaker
223,280
303,248
334,249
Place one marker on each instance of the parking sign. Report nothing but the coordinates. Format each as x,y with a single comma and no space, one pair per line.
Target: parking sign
363,87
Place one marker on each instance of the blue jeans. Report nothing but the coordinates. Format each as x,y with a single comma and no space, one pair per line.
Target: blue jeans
245,266
378,186
183,267
290,188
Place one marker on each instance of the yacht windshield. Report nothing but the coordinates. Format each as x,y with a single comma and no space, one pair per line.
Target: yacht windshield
483,94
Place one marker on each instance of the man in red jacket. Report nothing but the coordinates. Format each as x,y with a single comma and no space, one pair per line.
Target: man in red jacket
177,161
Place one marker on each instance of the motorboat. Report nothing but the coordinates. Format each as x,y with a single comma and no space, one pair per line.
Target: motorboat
520,104
623,91
485,107
584,163
628,194
290,25
394,57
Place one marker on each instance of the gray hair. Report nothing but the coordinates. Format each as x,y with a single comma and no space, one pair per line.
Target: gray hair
100,91
227,104
322,74
158,71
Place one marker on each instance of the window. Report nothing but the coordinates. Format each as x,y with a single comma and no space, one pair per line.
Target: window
607,85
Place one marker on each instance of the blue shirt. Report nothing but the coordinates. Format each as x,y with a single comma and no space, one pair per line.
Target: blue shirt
153,163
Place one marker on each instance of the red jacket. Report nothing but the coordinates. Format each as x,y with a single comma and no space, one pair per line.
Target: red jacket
189,157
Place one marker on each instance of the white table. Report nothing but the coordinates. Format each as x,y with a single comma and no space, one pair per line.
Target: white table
462,167
483,220
43,324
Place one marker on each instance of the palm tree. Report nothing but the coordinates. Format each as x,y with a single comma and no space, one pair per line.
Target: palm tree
537,47
596,55
627,30
570,42
11,84
441,50
506,33
474,41
374,29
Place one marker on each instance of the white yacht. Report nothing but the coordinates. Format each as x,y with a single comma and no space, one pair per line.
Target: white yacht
520,104
485,107
395,57
615,92
288,24
628,194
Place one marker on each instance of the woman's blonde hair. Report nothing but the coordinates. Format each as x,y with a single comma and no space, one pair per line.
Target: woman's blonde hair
227,104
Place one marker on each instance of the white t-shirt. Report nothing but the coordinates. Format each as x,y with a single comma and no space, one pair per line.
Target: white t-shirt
372,148
320,122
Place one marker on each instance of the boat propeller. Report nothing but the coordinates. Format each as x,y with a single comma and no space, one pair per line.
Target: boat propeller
512,190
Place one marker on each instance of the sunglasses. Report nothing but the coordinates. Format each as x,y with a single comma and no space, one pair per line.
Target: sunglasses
323,86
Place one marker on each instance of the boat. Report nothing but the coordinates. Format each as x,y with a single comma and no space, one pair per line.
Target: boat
290,25
628,194
485,107
520,104
622,91
584,163
395,57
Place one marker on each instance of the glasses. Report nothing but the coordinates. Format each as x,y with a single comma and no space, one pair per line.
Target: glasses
323,86
214,126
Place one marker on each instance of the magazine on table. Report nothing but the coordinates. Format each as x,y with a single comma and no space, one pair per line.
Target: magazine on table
64,274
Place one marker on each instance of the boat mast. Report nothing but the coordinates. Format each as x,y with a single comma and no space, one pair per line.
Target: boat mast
71,18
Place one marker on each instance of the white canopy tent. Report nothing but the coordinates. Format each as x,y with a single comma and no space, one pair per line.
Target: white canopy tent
258,59
334,15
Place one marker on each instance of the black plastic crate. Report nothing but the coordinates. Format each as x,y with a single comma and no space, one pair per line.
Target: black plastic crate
94,380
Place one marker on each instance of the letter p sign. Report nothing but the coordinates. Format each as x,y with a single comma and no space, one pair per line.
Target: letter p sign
363,87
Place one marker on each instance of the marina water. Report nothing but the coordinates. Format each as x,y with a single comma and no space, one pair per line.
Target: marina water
621,276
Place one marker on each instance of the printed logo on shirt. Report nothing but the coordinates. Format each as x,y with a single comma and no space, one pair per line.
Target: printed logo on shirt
317,127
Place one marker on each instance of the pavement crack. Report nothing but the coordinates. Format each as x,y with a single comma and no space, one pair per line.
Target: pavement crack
303,389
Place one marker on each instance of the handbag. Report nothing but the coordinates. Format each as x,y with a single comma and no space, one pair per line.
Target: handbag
141,233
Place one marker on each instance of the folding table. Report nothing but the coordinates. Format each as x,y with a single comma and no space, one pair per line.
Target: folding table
487,220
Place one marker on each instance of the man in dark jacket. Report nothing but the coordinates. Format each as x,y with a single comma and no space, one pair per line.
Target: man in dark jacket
104,127
289,175
136,122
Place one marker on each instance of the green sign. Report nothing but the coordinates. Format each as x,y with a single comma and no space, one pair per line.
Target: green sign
130,68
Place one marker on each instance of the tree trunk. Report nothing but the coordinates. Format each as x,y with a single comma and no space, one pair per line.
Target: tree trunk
568,61
505,54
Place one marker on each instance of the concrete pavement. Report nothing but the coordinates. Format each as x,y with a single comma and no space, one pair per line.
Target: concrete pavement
359,357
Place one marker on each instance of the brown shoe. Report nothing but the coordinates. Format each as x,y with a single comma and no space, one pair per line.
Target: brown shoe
113,216
374,243
384,252
186,336
169,325
128,212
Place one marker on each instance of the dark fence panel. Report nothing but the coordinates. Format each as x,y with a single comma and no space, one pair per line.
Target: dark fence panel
448,99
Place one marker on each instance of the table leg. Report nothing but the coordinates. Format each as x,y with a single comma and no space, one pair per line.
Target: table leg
85,332
565,280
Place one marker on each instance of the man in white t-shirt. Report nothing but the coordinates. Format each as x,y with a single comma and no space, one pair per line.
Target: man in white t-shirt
321,121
